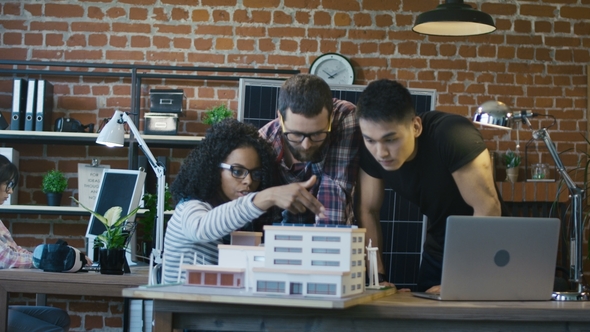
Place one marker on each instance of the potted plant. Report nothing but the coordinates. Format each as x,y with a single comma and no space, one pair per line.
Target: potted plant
54,184
113,240
216,114
147,220
512,162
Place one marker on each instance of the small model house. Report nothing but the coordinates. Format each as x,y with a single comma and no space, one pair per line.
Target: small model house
304,260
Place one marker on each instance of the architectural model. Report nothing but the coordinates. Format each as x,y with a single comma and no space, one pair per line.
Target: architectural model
307,260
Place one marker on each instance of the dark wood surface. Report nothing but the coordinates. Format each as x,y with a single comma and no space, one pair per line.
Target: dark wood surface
81,283
398,311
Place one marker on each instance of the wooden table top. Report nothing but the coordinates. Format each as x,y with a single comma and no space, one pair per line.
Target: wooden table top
81,283
393,306
239,296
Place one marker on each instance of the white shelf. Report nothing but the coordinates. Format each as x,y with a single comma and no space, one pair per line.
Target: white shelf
43,209
52,137
55,210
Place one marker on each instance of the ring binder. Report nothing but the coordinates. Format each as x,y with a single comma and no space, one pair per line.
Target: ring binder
44,106
19,100
30,107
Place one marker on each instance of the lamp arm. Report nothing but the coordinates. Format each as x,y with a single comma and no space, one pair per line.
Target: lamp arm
160,170
576,194
142,145
544,135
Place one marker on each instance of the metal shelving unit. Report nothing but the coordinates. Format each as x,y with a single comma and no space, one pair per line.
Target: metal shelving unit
135,73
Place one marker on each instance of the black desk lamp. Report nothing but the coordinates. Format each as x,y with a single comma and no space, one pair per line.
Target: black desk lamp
497,114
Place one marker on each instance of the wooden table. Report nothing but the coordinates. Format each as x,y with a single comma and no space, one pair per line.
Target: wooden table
175,309
42,283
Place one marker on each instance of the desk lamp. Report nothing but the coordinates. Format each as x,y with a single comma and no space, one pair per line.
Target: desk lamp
497,114
112,135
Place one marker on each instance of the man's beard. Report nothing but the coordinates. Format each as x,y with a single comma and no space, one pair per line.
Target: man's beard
314,155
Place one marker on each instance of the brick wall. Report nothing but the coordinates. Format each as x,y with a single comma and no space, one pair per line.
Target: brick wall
87,313
536,60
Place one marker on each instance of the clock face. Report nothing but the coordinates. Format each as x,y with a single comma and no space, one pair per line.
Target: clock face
333,68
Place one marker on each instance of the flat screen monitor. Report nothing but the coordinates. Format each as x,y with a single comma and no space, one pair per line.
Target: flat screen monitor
118,187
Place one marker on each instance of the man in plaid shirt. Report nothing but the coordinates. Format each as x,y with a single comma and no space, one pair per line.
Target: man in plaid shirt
316,135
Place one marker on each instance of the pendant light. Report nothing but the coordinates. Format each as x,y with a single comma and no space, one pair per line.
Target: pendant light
454,18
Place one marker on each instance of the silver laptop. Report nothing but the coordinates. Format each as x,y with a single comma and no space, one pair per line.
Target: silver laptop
498,259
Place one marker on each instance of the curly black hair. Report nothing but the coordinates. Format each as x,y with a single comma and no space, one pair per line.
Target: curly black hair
199,176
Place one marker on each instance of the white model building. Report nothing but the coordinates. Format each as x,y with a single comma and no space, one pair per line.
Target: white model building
306,260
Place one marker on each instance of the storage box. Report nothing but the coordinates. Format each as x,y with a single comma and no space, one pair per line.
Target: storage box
12,156
161,124
166,101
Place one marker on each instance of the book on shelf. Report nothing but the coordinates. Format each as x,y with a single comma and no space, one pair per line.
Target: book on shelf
19,103
30,107
44,106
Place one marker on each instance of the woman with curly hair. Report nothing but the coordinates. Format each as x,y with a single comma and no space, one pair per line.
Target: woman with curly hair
222,186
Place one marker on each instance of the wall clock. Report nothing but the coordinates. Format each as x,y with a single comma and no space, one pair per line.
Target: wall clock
334,68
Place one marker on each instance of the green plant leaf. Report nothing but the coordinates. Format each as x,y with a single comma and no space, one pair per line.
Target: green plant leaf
217,114
122,219
511,159
54,181
147,220
112,215
102,219
114,236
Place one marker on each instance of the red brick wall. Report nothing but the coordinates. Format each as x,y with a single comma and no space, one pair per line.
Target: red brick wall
536,60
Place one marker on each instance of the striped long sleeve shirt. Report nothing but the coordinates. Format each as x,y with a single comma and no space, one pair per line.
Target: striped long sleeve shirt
196,228
12,255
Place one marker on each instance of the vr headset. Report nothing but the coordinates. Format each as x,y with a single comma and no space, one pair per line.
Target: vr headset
72,126
58,257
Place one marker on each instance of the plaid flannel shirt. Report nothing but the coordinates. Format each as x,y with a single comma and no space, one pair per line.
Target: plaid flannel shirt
336,172
11,255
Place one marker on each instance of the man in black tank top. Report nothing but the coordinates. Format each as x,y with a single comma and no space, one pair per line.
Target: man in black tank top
436,160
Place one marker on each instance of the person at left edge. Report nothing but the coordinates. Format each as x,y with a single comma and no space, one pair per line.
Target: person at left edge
23,318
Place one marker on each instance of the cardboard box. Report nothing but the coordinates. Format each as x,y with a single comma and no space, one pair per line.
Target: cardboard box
13,156
166,100
161,124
